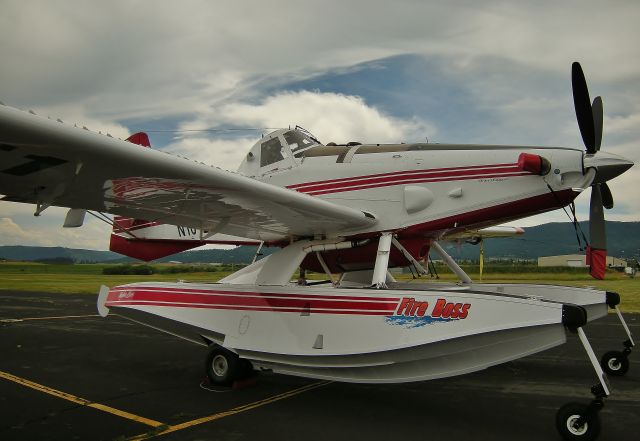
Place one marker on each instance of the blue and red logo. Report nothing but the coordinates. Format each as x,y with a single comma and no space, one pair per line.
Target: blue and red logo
412,313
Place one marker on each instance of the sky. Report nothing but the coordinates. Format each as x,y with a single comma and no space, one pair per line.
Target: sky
491,72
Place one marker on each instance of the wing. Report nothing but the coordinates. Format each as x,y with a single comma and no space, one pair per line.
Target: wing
49,163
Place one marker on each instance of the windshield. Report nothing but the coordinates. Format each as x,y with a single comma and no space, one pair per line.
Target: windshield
299,142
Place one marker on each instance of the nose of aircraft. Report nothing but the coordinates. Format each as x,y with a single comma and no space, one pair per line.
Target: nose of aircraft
607,165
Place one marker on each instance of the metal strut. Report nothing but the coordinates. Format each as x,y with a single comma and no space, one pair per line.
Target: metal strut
407,255
624,325
453,266
40,207
382,261
325,267
255,256
594,361
101,216
599,390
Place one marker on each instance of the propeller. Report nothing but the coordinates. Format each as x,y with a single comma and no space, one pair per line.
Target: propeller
584,111
590,117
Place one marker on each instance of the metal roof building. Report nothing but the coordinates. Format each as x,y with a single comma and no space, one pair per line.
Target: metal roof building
577,261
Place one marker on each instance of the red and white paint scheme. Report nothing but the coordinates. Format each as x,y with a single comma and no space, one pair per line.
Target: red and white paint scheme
356,335
350,210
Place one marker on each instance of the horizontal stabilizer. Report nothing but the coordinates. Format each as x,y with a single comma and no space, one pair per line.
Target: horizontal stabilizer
147,240
148,250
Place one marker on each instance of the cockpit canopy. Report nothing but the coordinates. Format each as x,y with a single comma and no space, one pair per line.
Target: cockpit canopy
279,150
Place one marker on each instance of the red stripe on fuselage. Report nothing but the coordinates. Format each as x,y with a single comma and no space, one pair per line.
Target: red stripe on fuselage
403,172
408,177
375,184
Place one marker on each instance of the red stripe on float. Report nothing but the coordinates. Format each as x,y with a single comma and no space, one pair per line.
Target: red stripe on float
249,308
250,293
251,301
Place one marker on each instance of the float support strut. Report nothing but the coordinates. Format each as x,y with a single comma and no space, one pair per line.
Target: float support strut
382,261
453,266
624,325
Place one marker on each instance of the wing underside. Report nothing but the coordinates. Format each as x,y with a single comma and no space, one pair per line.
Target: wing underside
46,162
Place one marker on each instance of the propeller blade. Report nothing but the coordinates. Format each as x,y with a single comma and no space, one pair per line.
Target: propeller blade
596,109
607,198
597,232
582,104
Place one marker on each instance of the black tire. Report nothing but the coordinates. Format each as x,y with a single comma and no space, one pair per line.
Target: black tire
222,366
565,423
246,368
614,363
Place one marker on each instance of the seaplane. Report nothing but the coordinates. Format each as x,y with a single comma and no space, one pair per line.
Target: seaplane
349,210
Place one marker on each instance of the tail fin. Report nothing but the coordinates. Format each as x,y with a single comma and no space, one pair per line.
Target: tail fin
140,138
140,238
147,241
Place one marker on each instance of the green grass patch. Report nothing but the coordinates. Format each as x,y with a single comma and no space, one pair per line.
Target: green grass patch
87,278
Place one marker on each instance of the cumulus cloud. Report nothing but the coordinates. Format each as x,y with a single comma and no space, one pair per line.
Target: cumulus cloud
126,59
75,114
548,35
224,153
123,65
11,233
18,226
329,116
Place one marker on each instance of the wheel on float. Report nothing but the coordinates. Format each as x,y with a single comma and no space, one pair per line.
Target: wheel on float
222,366
614,363
567,423
246,368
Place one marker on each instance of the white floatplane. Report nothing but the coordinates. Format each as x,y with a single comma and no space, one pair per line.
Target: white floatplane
351,210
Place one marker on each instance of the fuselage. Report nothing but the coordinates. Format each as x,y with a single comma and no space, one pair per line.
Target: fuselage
420,192
423,190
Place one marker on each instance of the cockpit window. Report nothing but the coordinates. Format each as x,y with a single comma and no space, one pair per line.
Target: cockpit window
270,152
298,141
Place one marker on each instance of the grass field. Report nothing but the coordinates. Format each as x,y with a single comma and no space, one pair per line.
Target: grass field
87,278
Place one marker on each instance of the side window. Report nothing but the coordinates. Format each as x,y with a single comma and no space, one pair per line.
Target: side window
270,152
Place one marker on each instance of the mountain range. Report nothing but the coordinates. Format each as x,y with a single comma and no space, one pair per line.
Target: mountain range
552,239
623,240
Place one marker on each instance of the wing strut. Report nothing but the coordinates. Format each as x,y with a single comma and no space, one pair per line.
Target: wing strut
255,257
325,267
407,255
453,266
102,217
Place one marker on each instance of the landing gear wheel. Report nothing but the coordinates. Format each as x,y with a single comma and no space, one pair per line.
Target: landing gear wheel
615,363
222,366
567,423
246,368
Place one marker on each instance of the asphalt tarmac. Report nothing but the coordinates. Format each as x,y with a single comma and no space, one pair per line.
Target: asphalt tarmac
67,374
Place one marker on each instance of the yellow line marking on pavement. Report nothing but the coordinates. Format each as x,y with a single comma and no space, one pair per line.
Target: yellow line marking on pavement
78,400
46,318
234,411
